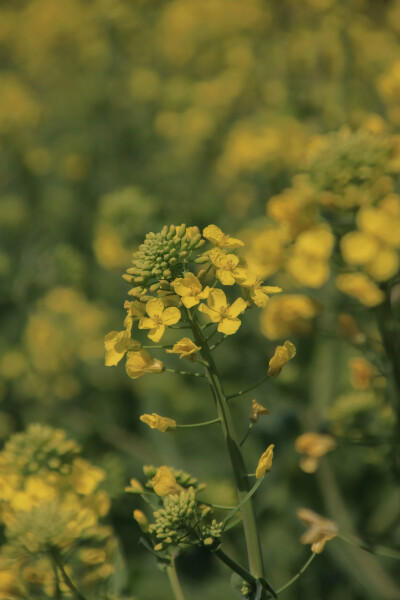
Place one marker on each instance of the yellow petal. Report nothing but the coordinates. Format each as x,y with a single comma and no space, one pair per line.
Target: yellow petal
217,300
156,333
155,306
265,462
282,355
237,307
229,326
171,315
164,482
358,248
210,313
157,422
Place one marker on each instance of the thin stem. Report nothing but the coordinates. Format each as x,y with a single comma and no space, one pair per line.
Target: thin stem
253,387
372,548
203,424
57,589
184,373
219,342
260,586
243,502
298,574
174,581
77,594
237,462
246,435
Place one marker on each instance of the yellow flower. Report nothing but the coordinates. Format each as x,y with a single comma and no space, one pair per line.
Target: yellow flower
226,266
139,363
141,519
117,343
85,477
190,289
257,410
156,422
258,293
361,372
358,248
288,315
314,446
164,482
359,286
282,355
159,317
308,263
214,234
219,311
320,530
265,462
185,348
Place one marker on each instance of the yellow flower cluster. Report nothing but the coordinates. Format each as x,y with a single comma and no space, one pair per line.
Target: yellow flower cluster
168,287
51,507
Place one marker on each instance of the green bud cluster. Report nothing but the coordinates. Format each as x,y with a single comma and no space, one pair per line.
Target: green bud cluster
174,520
211,533
40,448
162,256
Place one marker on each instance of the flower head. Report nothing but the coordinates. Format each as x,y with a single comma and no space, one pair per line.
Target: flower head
313,446
139,363
185,348
282,355
214,234
190,289
159,317
219,311
358,285
265,462
156,422
226,266
320,530
257,292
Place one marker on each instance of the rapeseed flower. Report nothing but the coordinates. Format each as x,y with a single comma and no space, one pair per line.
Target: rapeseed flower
139,363
226,266
320,531
185,348
359,286
190,289
257,292
282,355
164,482
257,410
213,234
313,446
265,462
219,311
158,318
156,422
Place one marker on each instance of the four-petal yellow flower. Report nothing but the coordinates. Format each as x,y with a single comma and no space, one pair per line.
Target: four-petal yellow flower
185,348
320,531
213,234
190,290
226,266
219,311
139,363
157,422
159,317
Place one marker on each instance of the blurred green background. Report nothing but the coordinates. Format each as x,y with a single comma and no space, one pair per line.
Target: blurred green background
117,117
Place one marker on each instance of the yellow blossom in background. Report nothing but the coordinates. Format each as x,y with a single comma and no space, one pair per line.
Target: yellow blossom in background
313,446
135,487
282,355
359,286
308,263
159,318
185,348
320,531
219,311
257,410
139,363
85,477
213,234
361,373
156,422
265,462
190,290
164,482
288,315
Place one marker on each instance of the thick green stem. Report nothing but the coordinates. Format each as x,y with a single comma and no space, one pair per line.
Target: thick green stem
174,581
238,466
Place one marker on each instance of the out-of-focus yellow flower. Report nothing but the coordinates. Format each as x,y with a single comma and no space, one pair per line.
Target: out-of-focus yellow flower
219,311
308,263
265,250
164,482
282,355
190,290
257,410
139,363
361,373
258,292
86,477
349,328
320,531
185,348
358,248
288,315
134,487
313,446
226,266
141,519
156,422
265,462
359,286
159,317
213,234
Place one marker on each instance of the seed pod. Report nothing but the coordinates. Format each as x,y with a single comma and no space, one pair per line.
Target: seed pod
201,259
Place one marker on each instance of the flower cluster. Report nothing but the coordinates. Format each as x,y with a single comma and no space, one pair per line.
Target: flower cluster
181,520
51,507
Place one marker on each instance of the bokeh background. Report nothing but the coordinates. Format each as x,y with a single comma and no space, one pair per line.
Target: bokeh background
119,116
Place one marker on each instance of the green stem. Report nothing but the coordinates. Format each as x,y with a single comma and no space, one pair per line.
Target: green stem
257,584
203,424
77,594
57,590
238,465
174,581
253,387
184,373
295,578
246,435
372,548
243,502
